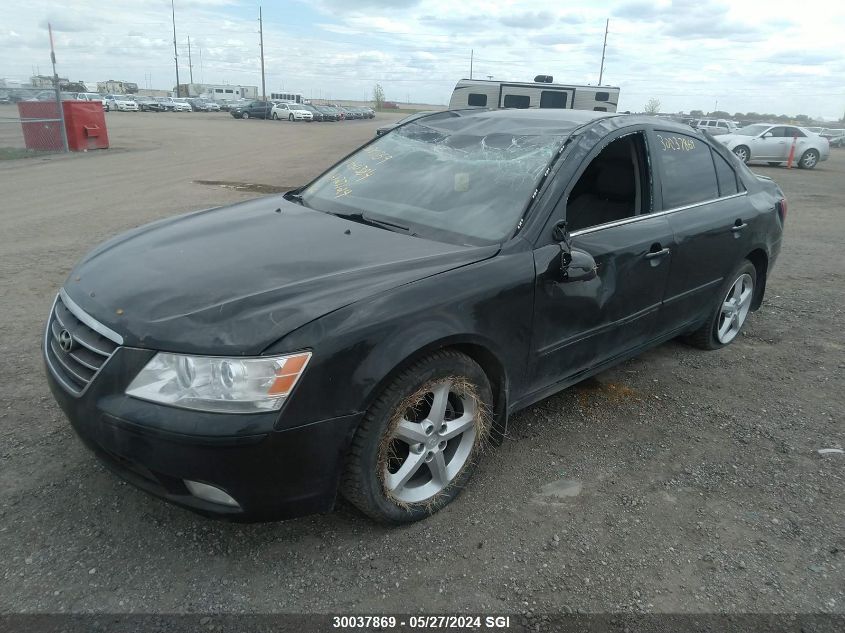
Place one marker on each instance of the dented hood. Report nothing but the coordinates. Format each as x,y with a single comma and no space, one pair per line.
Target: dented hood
233,280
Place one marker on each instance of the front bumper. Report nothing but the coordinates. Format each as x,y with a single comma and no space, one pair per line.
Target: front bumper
271,473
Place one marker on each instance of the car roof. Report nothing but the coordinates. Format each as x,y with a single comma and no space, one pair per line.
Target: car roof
533,121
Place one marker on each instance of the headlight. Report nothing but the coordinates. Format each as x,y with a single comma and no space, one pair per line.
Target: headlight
212,383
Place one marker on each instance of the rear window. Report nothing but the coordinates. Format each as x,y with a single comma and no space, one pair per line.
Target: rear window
688,173
476,99
517,101
725,175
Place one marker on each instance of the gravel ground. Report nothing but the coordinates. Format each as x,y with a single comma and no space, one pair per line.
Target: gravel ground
681,481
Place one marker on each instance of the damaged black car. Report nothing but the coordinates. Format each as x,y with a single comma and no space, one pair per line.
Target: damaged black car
367,335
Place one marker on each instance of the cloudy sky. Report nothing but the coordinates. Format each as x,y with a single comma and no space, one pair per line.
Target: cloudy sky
753,55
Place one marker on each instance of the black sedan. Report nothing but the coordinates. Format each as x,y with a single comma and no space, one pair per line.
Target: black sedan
368,333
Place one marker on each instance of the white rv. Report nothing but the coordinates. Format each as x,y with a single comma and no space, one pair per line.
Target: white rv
481,93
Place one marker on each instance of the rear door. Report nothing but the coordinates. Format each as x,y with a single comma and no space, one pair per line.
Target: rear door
711,218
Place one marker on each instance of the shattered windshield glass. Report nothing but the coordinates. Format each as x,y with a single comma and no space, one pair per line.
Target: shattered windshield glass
442,184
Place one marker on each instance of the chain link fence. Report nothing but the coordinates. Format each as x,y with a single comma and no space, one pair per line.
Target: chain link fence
30,122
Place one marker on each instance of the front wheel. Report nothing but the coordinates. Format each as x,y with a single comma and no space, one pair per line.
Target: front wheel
729,314
275,117
245,115
290,118
742,153
809,159
418,444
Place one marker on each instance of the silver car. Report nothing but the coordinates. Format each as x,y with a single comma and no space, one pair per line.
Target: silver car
772,142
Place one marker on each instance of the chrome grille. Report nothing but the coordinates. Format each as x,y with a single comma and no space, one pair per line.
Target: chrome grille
87,344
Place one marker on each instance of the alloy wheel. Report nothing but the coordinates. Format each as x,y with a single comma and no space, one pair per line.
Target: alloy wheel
735,309
809,160
431,443
741,154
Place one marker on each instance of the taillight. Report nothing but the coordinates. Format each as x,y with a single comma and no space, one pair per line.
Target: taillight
781,205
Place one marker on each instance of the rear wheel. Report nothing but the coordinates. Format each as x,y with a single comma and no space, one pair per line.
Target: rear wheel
418,444
731,311
742,153
809,159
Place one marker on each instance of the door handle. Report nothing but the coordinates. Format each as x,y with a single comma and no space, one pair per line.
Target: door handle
663,252
736,228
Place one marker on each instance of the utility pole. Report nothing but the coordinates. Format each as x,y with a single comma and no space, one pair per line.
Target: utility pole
471,55
261,41
202,76
190,64
61,113
603,49
175,52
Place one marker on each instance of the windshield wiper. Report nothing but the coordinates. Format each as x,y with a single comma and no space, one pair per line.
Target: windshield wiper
363,218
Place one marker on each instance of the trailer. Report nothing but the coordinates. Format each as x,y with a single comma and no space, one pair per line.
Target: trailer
542,93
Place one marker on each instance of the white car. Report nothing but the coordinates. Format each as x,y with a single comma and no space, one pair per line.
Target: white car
771,142
176,105
120,103
716,127
291,112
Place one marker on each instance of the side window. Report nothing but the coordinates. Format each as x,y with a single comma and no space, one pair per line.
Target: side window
725,175
552,99
722,124
687,172
602,96
611,187
516,101
794,131
476,99
778,132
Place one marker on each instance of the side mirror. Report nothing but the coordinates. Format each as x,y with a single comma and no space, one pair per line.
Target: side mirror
577,265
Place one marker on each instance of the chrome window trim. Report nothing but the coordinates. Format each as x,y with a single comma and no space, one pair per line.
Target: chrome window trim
92,323
656,214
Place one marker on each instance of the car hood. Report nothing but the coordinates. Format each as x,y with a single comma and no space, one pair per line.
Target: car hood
233,280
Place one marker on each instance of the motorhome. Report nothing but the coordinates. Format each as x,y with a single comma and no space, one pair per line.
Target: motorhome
541,93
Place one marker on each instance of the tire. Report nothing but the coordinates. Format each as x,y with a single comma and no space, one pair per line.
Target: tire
742,153
709,336
245,115
809,159
290,118
390,476
275,117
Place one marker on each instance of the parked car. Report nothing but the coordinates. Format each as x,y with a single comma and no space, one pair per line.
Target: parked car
148,104
772,142
334,111
329,114
91,96
316,115
384,129
835,138
228,106
369,335
715,127
175,104
290,111
252,110
120,103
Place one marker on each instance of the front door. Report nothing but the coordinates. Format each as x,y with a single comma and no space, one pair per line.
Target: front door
580,325
773,145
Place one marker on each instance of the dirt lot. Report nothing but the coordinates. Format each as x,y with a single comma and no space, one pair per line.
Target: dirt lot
681,481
